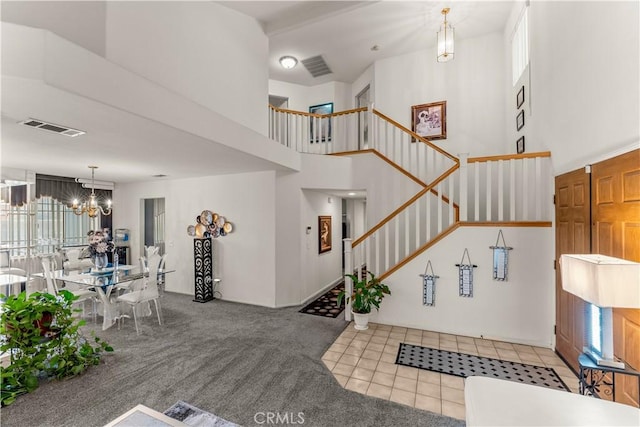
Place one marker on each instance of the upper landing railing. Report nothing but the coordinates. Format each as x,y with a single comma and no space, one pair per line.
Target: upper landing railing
514,188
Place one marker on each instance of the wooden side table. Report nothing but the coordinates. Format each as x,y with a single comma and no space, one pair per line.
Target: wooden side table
592,378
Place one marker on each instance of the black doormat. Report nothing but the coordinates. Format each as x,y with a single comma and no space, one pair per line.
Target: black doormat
326,305
466,365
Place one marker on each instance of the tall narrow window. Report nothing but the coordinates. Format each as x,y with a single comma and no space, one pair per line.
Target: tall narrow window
520,47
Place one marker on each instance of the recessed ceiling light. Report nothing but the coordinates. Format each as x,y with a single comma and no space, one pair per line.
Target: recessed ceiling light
375,48
288,62
351,194
160,175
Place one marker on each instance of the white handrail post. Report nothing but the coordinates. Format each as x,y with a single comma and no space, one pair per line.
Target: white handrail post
348,283
464,182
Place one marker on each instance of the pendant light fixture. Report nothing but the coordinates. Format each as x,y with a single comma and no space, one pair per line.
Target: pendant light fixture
445,39
91,206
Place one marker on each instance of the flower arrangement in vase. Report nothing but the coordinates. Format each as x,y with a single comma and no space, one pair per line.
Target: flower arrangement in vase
99,245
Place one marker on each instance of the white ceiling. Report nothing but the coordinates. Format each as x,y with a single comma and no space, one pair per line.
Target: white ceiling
129,148
344,32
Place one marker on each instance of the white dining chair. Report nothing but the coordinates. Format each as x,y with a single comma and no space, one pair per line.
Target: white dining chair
142,292
83,295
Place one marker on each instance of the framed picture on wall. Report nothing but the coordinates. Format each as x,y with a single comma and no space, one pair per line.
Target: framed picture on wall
430,120
520,145
320,127
520,97
324,233
520,120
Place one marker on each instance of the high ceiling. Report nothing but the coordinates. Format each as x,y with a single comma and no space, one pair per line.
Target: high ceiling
344,32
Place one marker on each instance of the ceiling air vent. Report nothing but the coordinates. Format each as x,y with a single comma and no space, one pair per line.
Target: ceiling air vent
62,130
316,66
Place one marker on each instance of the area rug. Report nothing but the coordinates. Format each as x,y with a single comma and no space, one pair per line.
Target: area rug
196,417
326,305
466,365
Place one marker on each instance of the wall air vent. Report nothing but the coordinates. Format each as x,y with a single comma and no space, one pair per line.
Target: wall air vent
62,130
316,66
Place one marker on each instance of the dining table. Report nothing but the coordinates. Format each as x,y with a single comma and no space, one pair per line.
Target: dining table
12,283
108,283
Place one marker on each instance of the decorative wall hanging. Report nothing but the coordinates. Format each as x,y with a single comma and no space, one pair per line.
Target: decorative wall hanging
430,120
320,127
324,234
209,224
520,145
500,258
429,286
520,97
520,120
465,274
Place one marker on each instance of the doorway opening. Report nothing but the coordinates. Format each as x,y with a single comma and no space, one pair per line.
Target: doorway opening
153,226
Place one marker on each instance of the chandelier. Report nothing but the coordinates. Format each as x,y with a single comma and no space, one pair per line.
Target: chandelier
91,206
445,39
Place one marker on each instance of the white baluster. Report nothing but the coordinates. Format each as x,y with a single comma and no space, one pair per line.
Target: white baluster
451,199
476,165
417,221
464,182
428,217
348,283
407,236
439,191
396,240
525,190
386,247
538,182
512,189
500,190
488,193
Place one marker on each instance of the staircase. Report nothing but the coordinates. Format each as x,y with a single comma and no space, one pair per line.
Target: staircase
456,191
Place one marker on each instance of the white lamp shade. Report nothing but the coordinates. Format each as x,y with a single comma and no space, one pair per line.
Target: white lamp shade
602,280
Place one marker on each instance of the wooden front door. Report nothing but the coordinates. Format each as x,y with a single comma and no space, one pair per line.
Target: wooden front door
616,232
573,224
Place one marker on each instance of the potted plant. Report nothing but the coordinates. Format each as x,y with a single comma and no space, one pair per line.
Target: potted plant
44,340
366,295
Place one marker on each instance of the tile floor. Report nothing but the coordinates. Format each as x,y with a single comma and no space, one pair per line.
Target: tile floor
364,362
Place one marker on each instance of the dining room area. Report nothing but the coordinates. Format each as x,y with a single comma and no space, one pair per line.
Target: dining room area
57,235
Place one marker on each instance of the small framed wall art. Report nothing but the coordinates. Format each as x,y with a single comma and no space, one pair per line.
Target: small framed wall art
430,120
324,233
520,145
520,97
520,120
320,127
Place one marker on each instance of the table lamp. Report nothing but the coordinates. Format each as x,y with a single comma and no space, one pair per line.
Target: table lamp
605,282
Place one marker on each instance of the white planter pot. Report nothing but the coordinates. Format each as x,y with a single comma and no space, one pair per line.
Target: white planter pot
361,320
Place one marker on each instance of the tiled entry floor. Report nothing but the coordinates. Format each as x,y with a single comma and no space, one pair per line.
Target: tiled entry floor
364,362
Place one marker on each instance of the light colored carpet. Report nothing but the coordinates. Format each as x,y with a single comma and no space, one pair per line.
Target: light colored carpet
230,359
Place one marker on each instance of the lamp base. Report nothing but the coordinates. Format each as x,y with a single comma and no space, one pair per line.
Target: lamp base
603,362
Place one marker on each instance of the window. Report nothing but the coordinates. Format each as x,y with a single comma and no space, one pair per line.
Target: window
520,47
593,328
55,226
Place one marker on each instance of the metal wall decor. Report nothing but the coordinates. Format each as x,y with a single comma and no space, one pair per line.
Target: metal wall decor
465,275
209,224
429,286
500,258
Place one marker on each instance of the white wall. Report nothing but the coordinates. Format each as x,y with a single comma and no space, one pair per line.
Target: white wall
204,51
320,270
472,84
82,22
585,79
302,97
520,310
244,259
